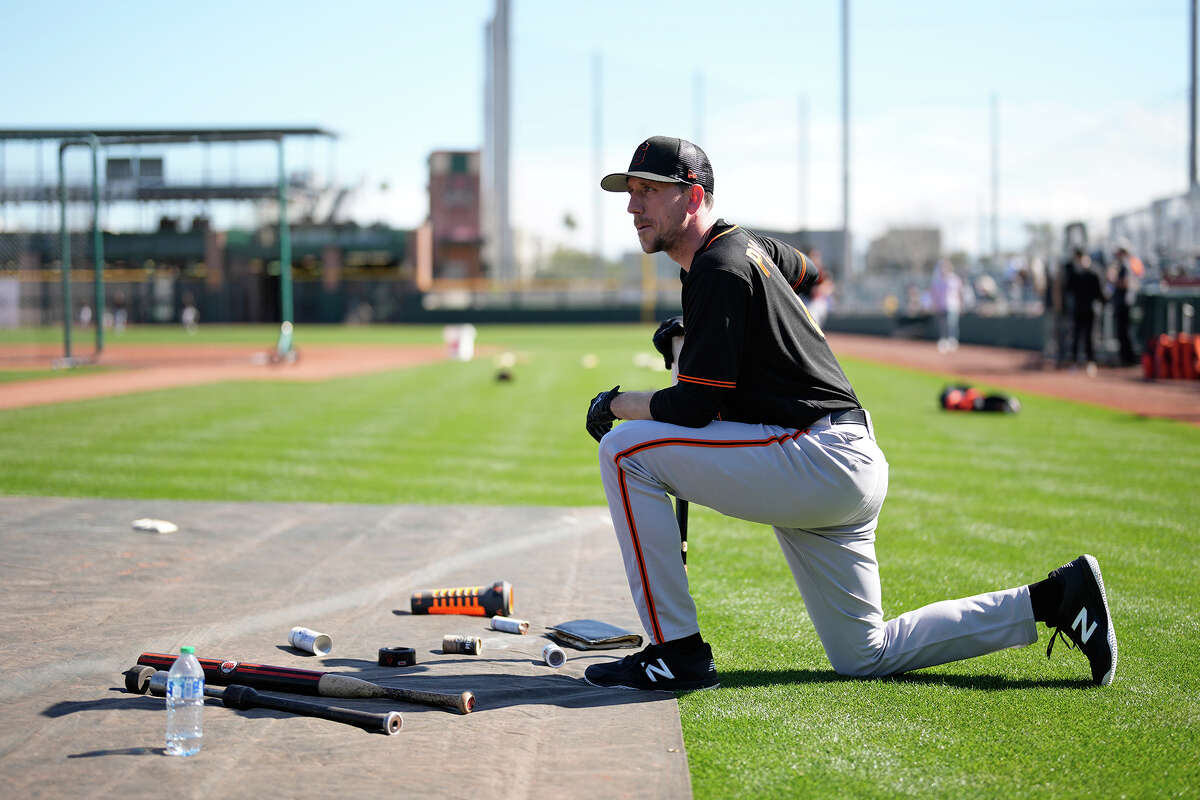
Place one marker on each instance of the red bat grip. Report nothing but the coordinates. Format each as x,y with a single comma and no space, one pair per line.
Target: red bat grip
260,676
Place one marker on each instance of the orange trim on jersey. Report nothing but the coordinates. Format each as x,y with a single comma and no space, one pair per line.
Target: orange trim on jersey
637,546
718,236
803,269
709,382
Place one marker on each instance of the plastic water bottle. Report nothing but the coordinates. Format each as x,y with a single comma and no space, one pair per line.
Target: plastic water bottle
185,704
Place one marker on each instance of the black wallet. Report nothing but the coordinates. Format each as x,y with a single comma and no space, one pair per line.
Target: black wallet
592,634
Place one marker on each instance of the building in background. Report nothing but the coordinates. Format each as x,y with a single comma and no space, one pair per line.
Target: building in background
905,251
454,215
828,244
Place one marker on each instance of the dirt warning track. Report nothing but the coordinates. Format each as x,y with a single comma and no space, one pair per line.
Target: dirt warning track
1024,371
141,368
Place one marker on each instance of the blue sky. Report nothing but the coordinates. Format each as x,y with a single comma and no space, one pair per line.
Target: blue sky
1092,99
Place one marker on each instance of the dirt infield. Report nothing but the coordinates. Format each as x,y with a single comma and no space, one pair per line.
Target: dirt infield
141,368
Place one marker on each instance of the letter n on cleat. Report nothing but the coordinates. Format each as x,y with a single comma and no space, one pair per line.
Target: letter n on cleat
1081,622
661,668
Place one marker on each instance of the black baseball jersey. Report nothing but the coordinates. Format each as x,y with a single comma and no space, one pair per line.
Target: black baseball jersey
751,351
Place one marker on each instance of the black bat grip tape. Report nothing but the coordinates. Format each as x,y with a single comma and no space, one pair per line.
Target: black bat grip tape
243,697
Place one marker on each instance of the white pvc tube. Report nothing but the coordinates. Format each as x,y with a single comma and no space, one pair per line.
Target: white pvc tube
310,641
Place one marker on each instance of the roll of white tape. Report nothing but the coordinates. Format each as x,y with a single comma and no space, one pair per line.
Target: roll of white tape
553,655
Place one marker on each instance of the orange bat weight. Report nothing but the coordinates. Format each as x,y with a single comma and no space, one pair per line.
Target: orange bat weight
475,601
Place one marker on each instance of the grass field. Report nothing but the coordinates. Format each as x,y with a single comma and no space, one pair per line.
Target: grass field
977,502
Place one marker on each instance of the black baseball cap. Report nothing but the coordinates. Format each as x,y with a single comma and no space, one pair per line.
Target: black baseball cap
666,159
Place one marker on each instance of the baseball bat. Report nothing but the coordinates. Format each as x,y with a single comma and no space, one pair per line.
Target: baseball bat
681,505
243,697
681,514
305,681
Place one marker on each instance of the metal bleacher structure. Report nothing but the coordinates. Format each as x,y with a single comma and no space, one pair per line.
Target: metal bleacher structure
150,272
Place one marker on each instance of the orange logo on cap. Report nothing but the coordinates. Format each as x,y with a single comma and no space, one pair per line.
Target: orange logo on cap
691,175
640,155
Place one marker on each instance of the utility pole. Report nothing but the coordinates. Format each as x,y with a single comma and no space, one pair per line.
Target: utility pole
802,160
1192,99
598,156
995,179
501,86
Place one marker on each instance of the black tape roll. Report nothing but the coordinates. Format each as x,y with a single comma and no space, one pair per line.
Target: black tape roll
397,656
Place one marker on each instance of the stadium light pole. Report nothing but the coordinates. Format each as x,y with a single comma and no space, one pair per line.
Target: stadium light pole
995,180
598,159
802,161
1192,98
847,257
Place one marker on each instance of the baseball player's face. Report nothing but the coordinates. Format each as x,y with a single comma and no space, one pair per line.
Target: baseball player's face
659,210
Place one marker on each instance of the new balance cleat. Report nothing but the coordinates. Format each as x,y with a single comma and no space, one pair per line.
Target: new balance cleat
658,667
1083,620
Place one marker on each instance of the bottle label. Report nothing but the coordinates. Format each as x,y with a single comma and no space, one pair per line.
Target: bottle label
185,689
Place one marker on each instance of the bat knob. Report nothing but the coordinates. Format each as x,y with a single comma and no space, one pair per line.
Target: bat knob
241,697
137,679
392,723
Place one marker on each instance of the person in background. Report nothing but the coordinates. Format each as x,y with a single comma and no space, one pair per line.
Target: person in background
819,296
190,315
120,312
946,294
1086,293
1060,305
1123,275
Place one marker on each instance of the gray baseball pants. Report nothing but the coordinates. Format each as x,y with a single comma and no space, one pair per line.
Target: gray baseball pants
821,489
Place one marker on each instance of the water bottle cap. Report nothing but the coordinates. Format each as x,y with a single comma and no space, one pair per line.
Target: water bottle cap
187,648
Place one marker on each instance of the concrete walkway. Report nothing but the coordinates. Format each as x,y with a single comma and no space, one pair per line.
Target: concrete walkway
83,594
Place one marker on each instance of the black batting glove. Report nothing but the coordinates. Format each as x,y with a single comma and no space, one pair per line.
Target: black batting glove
668,330
599,416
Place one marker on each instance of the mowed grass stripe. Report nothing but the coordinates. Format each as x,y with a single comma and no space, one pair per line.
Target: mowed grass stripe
977,502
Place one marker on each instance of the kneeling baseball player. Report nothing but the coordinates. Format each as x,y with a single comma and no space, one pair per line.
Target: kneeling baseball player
763,425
